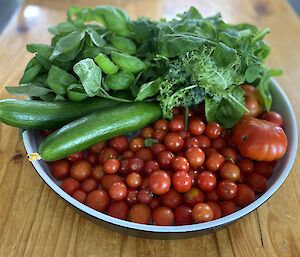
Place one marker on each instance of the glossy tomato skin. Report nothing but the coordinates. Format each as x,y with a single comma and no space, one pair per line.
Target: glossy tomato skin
228,207
227,189
257,182
180,164
206,181
181,181
245,195
140,213
159,182
193,196
273,117
79,195
171,199
163,216
259,140
89,184
69,185
202,212
98,200
80,170
216,209
118,210
120,143
76,156
60,169
173,142
183,215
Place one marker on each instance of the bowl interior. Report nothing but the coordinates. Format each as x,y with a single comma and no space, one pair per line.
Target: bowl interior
281,104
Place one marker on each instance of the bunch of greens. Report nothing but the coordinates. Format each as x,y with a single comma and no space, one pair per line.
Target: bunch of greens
181,62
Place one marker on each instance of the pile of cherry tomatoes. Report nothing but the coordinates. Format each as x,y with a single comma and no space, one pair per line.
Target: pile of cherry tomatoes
168,175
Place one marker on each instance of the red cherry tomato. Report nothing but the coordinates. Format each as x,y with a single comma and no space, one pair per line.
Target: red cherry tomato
123,170
97,147
227,207
133,179
273,117
147,132
140,213
193,175
159,182
174,142
202,212
135,165
218,143
118,210
254,105
164,159
76,157
213,130
144,154
69,185
209,150
214,161
161,124
259,140
88,185
111,166
45,132
176,125
108,179
227,189
98,172
107,153
246,166
184,134
159,134
193,196
191,142
120,143
230,171
155,203
131,197
183,215
163,216
92,158
212,196
171,199
118,191
206,181
60,169
79,195
216,209
180,164
145,196
257,182
157,148
98,200
128,154
245,195
136,143
150,166
181,181
196,127
80,170
195,156
204,141
264,168
229,153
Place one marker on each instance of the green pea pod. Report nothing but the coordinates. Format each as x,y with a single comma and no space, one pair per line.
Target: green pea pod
76,93
123,44
113,19
106,65
127,62
120,81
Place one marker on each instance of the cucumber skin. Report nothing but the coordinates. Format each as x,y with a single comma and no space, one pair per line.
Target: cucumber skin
102,125
47,115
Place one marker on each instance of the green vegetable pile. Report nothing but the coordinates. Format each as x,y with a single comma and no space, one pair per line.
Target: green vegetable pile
181,62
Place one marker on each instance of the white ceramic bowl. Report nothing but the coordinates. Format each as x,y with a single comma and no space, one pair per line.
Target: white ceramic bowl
282,170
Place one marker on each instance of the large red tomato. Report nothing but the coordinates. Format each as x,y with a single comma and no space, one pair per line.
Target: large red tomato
259,140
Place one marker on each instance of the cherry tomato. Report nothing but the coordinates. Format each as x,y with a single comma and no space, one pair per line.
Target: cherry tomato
193,196
196,127
136,143
107,153
111,166
213,130
69,185
128,154
229,153
118,191
145,196
254,105
118,210
171,199
183,215
133,179
209,150
163,216
184,134
257,182
79,195
191,142
159,134
180,164
227,189
246,166
123,170
164,159
173,142
88,185
140,213
97,147
131,197
259,140
248,89
264,168
206,181
193,175
230,171
181,181
204,141
242,179
98,200
161,124
147,132
159,182
214,161
212,196
135,165
202,212
176,111
176,125
155,203
216,209
144,154
157,148
80,170
273,117
76,157
245,195
150,166
60,169
144,183
45,132
218,143
120,143
108,179
227,207
195,156
98,172
92,158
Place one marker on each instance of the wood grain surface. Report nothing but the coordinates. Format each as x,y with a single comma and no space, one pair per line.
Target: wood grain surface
35,222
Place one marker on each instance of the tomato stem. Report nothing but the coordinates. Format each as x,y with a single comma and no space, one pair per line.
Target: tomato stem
186,118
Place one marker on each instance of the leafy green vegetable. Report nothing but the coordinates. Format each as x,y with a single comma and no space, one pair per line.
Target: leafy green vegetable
106,65
96,38
30,89
148,90
31,73
76,93
90,76
120,81
127,62
123,44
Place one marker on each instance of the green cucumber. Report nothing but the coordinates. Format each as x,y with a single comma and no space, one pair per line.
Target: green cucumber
46,115
101,125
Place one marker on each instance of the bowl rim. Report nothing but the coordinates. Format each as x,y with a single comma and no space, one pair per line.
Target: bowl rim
29,146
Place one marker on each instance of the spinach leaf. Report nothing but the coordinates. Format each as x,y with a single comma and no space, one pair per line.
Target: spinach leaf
30,73
224,55
63,28
127,62
30,89
252,72
41,49
90,76
148,90
96,38
76,93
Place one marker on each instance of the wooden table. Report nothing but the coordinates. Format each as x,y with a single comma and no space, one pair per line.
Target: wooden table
35,222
